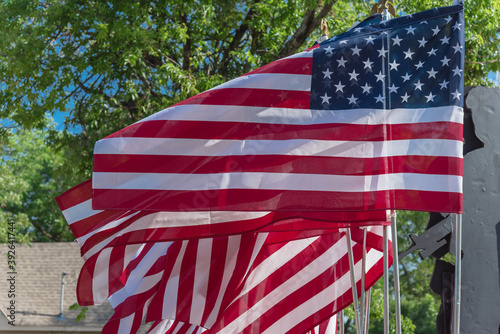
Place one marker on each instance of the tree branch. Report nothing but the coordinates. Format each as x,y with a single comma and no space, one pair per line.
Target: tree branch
309,23
483,62
238,35
186,48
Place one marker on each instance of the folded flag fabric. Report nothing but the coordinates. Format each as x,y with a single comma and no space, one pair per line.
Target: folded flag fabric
370,119
241,284
208,283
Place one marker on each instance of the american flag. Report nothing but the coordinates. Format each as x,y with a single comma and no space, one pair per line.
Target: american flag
277,281
370,119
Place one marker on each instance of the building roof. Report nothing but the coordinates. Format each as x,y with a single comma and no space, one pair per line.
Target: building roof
37,299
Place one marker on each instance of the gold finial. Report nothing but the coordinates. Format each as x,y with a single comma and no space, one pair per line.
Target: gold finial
381,5
324,28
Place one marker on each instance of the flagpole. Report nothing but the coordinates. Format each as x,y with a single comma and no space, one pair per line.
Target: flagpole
367,310
353,282
341,322
363,275
386,280
395,268
458,273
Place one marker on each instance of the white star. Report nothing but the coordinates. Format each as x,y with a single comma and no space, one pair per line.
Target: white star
410,30
422,42
379,98
380,76
445,61
457,26
448,19
456,95
418,85
358,29
424,22
457,48
342,62
397,40
369,40
382,52
456,71
406,77
394,65
368,63
432,52
445,40
435,31
419,65
444,84
355,50
326,98
340,87
405,97
432,73
352,99
328,50
327,73
366,88
354,75
393,89
430,97
408,54
343,42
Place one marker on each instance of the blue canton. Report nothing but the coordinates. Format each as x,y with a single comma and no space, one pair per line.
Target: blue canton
415,61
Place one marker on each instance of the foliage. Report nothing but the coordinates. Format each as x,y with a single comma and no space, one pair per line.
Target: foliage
30,179
107,64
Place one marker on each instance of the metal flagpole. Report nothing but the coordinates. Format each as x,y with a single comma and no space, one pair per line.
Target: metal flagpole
353,282
458,273
386,280
341,322
395,271
367,310
363,275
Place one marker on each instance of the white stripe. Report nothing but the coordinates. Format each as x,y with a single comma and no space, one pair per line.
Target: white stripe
201,275
279,181
233,247
211,113
126,324
278,259
100,279
136,281
295,82
169,309
303,54
290,147
320,300
164,219
80,211
108,226
132,252
302,277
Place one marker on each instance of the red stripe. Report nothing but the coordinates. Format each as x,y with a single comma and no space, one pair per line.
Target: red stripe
89,224
75,195
266,131
186,281
118,163
252,98
155,309
288,66
312,224
266,200
115,269
217,267
84,293
101,236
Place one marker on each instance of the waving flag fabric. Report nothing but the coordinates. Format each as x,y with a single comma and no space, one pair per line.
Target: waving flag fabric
370,119
207,283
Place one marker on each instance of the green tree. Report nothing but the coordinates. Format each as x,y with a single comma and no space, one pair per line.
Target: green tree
30,178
